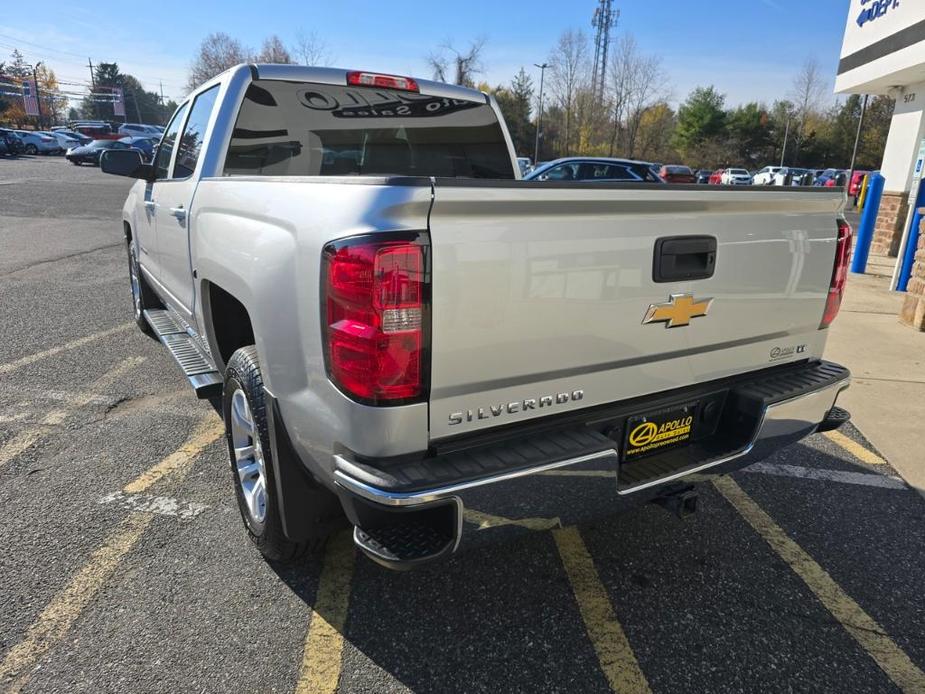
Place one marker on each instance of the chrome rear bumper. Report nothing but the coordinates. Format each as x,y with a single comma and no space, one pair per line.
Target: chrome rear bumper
782,424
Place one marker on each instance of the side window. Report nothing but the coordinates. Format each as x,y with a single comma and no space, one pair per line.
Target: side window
165,151
190,146
563,172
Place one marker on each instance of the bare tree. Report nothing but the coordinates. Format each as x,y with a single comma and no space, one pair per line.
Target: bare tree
569,72
217,53
809,85
274,51
464,66
311,50
637,83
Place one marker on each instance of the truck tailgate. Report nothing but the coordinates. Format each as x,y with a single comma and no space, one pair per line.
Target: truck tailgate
540,292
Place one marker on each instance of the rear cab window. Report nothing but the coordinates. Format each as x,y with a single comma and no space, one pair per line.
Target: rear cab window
306,129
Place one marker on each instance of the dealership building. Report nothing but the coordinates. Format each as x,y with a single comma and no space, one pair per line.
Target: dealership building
883,53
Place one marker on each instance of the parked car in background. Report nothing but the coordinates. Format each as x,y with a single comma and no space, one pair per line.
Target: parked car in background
97,131
12,142
145,145
763,177
80,137
854,186
703,176
90,154
597,169
736,177
39,143
827,179
525,165
139,130
788,173
675,173
65,141
716,178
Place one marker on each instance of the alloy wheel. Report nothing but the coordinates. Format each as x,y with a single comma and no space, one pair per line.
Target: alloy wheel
248,457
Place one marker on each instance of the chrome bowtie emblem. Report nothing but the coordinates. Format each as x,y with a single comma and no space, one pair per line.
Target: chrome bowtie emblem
678,311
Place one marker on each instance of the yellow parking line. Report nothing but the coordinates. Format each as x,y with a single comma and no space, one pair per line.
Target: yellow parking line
27,437
614,652
324,643
32,358
64,609
181,459
66,606
486,520
870,635
854,448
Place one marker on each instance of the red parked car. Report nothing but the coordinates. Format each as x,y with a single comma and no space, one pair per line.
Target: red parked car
854,186
716,178
674,173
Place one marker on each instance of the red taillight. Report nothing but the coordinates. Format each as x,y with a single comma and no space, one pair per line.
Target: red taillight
373,79
374,318
839,274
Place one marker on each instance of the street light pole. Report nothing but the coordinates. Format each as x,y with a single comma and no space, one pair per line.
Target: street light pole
539,118
857,140
38,95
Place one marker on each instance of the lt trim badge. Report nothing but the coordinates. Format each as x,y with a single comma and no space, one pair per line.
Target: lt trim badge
678,311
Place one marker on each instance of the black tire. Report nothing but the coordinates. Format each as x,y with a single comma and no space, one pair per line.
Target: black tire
143,297
243,373
32,149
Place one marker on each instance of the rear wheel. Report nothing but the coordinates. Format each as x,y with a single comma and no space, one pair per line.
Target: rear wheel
246,429
31,149
143,297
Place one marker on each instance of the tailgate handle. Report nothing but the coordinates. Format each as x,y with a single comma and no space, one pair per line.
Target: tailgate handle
684,258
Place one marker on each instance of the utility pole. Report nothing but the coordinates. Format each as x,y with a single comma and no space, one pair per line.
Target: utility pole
137,110
786,135
539,117
162,92
38,94
92,78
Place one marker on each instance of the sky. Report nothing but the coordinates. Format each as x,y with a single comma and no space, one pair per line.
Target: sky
748,49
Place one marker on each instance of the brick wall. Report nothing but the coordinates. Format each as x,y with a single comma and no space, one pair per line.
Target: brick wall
890,220
913,310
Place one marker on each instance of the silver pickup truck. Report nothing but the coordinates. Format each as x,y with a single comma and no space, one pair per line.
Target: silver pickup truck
404,334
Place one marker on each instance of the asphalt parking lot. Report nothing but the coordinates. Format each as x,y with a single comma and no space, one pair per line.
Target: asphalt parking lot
124,567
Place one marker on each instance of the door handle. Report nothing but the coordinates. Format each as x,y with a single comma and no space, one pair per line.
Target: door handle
679,258
178,212
150,204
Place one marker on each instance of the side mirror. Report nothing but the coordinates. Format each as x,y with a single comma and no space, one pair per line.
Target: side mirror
125,162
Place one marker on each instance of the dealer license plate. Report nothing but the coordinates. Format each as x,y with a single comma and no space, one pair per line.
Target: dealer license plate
657,432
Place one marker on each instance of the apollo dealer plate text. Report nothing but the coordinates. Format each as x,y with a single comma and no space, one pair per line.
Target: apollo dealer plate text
659,431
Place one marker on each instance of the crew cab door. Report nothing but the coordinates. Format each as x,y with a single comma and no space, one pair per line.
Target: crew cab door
145,232
173,197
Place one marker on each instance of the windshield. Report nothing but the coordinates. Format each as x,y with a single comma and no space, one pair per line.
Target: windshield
306,129
738,172
102,144
677,170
